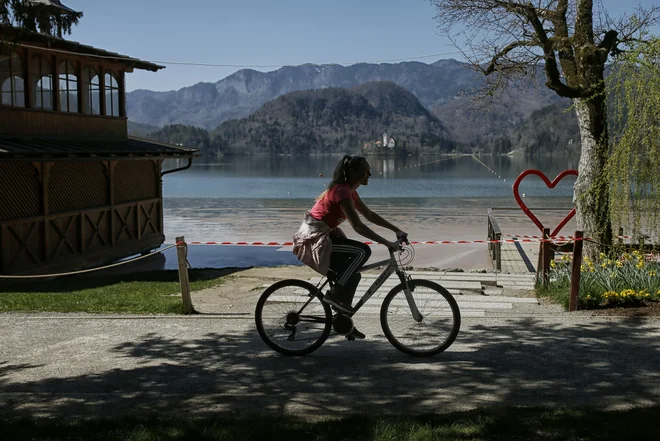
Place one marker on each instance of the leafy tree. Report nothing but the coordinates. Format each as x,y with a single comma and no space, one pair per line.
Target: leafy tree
48,16
573,41
635,157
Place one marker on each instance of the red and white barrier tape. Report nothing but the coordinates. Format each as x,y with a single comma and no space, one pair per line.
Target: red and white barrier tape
430,242
556,237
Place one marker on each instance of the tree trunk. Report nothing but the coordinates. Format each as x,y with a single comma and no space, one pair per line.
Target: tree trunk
591,195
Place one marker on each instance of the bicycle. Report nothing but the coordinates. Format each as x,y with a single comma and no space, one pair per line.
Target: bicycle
300,312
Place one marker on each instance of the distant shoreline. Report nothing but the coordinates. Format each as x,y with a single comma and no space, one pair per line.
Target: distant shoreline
514,153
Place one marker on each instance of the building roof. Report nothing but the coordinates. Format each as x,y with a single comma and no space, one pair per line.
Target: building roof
43,41
55,4
52,148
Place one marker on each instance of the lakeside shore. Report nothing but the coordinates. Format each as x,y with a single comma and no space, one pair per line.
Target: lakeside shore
450,219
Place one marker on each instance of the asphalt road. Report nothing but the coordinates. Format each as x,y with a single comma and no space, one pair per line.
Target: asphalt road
91,366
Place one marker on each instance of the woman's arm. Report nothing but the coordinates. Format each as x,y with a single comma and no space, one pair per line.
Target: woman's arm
363,230
374,217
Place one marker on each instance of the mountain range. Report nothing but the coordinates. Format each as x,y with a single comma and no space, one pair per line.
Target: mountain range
444,88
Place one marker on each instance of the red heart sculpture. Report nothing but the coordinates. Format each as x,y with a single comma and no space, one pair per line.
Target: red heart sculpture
552,184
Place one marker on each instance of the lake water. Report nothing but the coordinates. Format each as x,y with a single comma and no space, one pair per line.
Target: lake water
281,178
432,198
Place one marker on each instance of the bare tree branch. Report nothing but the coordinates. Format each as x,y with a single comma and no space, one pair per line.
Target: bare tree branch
563,44
496,58
551,68
584,23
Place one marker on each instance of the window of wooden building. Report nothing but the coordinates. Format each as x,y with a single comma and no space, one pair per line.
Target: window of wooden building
12,79
68,87
42,80
92,89
111,95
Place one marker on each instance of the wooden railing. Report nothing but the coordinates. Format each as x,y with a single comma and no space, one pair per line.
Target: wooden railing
494,233
18,121
80,238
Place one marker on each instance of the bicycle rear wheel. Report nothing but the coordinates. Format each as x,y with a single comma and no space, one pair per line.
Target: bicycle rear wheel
292,319
441,319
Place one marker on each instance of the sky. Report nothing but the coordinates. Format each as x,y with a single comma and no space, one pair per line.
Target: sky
263,33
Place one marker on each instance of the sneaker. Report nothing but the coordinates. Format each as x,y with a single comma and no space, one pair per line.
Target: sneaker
337,303
356,334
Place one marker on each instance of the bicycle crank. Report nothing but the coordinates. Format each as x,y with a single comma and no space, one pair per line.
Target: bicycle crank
342,324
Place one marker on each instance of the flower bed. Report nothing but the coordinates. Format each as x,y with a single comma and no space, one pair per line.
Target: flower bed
629,280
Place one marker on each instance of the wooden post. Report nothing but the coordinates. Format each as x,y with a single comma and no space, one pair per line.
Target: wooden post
620,234
575,272
183,275
56,83
102,90
28,87
545,257
498,252
489,236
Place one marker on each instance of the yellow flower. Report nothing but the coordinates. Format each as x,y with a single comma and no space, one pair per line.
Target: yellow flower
613,275
627,293
619,264
582,268
652,273
627,256
552,264
587,260
640,264
565,258
602,256
603,265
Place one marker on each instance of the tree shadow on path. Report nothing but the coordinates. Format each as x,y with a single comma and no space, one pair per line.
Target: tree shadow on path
605,364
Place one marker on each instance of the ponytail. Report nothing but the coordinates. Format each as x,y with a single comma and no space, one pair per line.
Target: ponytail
343,171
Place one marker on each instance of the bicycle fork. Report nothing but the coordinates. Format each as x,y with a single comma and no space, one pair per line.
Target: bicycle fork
409,297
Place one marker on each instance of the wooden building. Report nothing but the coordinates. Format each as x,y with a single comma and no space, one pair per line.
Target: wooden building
75,190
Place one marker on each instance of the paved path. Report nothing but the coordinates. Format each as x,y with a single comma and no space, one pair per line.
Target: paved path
215,363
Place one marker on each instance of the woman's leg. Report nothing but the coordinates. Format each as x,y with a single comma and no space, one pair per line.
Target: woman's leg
348,256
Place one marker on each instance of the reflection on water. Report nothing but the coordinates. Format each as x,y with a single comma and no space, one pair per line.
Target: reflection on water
407,177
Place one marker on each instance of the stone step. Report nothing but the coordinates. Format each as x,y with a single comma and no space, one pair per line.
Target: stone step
375,310
383,290
493,291
393,281
473,276
467,304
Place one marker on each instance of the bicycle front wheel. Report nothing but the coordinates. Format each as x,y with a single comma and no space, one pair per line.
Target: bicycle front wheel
439,323
292,319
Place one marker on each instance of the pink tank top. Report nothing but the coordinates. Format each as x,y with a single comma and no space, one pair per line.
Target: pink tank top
328,209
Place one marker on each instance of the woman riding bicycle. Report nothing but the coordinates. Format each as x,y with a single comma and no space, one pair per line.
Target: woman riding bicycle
320,243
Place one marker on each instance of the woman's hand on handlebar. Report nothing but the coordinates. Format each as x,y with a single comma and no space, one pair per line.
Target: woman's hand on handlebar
393,247
401,237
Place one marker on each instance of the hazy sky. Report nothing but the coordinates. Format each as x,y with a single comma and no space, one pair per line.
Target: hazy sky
261,32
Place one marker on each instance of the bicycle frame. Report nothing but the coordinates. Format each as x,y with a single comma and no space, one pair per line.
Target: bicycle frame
392,267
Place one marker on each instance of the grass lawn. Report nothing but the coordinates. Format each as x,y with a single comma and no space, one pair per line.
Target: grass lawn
155,292
510,424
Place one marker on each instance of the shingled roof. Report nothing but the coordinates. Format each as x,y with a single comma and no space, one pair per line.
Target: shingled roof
26,38
46,148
